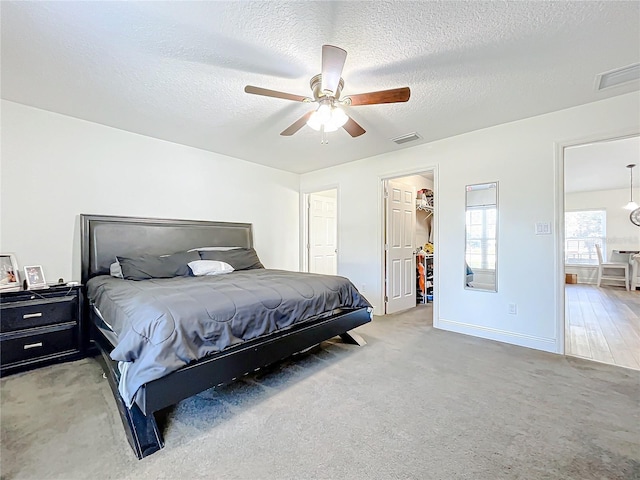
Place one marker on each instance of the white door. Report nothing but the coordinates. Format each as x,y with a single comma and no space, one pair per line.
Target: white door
323,247
400,273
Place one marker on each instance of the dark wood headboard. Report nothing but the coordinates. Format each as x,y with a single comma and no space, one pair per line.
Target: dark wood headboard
103,237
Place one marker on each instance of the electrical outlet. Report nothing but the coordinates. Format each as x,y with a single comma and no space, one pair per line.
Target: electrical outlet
362,288
513,309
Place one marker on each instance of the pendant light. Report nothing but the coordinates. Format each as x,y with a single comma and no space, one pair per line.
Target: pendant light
631,205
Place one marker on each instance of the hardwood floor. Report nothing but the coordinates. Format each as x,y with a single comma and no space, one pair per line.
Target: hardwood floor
603,324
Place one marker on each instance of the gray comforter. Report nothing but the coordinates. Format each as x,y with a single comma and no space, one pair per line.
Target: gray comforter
163,324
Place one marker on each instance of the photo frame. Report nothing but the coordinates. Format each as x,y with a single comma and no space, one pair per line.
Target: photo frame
34,276
9,278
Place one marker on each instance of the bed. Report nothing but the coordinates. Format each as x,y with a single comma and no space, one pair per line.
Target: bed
204,365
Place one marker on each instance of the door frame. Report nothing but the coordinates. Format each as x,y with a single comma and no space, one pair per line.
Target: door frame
436,233
304,221
560,147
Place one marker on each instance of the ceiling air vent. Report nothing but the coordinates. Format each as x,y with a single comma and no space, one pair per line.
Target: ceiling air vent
613,78
409,137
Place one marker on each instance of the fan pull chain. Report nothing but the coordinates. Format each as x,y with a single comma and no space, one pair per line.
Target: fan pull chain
323,136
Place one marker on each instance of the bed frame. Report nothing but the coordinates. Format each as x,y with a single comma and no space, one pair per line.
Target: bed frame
104,237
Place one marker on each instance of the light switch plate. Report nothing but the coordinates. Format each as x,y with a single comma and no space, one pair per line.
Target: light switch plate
543,228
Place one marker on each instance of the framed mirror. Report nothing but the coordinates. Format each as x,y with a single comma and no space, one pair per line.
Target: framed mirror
481,237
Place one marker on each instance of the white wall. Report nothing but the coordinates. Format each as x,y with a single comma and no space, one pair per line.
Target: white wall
621,233
55,167
521,156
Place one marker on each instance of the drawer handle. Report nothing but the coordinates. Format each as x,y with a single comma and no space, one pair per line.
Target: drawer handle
32,315
32,345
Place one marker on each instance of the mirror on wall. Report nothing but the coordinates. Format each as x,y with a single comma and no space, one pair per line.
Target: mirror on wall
481,237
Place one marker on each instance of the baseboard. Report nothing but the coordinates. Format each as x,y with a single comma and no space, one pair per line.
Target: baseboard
520,339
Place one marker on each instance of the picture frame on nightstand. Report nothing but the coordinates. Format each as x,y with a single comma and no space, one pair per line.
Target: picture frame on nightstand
34,276
9,280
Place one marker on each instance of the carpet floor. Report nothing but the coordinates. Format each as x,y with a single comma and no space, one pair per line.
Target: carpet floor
415,402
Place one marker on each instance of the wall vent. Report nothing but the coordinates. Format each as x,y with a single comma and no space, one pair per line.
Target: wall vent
409,137
619,76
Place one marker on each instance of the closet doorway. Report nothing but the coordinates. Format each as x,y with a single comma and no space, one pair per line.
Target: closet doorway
408,241
322,232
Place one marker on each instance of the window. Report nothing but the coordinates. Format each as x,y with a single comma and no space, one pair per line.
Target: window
481,237
582,231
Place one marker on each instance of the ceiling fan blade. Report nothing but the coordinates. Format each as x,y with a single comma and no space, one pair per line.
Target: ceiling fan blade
274,93
354,129
297,125
333,59
384,96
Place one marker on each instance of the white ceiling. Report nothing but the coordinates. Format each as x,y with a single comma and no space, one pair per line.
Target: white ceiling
602,165
176,70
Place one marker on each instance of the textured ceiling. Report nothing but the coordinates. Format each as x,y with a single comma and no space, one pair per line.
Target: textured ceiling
176,70
602,165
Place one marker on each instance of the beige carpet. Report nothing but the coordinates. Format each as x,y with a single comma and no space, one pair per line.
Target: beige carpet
414,403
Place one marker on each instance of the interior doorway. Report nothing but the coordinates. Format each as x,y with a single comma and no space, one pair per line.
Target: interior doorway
322,232
408,241
602,307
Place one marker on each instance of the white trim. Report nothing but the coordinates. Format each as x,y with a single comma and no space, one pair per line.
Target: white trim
559,265
523,340
436,235
436,244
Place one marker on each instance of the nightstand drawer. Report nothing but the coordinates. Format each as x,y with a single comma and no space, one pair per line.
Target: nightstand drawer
38,342
38,312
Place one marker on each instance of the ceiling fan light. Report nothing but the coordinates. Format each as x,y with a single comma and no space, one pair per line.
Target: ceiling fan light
322,116
324,112
631,206
331,117
314,121
338,117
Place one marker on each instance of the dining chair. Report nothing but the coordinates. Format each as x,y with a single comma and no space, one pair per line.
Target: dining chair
613,266
634,270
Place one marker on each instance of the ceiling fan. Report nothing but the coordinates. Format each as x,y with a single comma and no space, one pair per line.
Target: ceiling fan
327,87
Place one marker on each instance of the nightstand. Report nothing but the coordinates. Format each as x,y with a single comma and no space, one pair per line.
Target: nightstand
40,327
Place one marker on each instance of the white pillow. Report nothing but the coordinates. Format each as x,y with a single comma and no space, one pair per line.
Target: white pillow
115,270
207,249
209,267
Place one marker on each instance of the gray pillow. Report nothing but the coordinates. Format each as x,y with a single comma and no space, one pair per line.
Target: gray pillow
238,258
153,266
